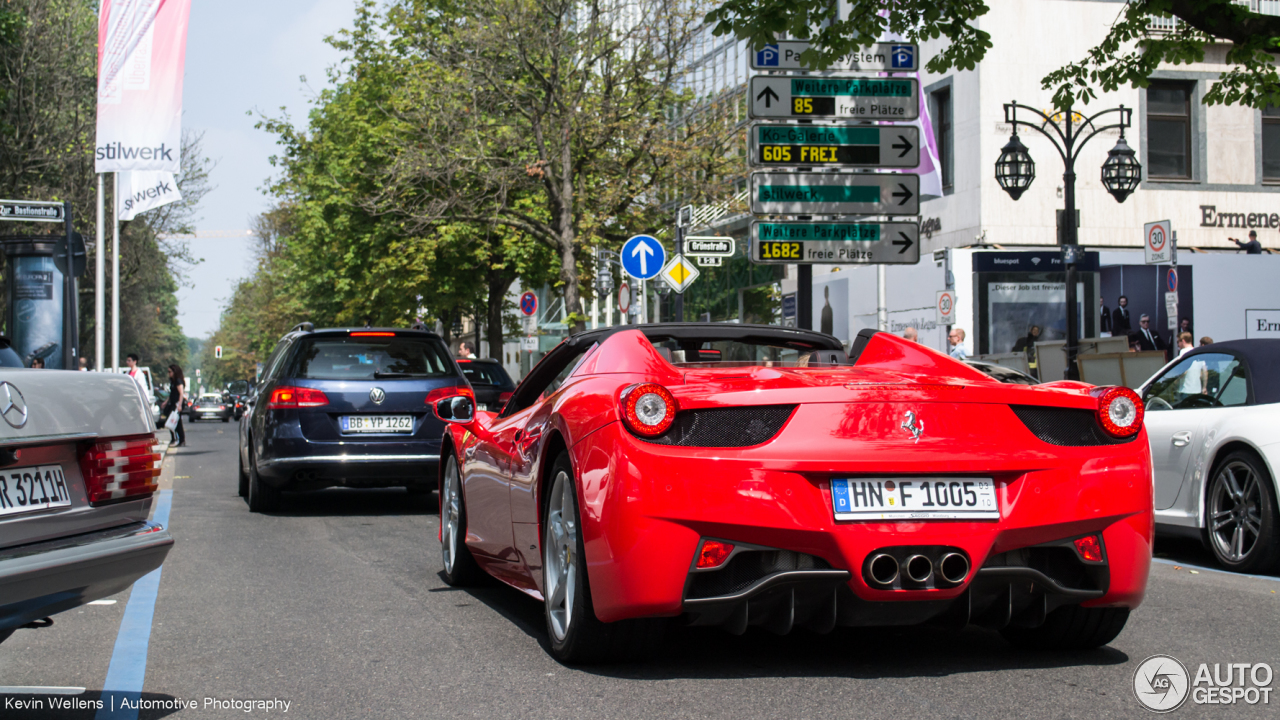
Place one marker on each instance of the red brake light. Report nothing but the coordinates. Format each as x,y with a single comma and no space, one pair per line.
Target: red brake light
451,391
462,360
372,334
120,468
504,397
713,553
286,398
1090,548
1120,411
648,409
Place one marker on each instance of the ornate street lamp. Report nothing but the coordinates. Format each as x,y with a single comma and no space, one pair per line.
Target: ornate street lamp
1121,174
1015,169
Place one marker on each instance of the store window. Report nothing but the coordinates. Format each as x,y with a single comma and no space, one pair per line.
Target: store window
1271,144
943,134
1169,130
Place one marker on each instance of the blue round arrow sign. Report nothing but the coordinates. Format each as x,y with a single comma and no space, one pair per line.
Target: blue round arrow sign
643,257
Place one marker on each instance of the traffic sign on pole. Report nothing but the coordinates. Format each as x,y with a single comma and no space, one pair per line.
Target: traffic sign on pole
643,257
853,98
838,146
624,298
878,57
946,307
835,243
32,210
528,303
680,273
1157,245
795,193
709,246
708,260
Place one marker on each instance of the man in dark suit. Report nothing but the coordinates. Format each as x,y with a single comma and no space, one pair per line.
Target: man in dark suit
1148,339
1120,318
1105,326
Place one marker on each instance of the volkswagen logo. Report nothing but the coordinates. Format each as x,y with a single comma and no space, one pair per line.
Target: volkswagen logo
12,405
377,396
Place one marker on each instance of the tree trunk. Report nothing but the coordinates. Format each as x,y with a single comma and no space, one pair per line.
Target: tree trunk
499,284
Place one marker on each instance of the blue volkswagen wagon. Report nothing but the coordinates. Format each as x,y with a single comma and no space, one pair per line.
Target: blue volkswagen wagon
347,407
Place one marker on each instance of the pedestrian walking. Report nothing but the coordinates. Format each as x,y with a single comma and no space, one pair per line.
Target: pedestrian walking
1206,340
1104,325
465,350
1148,339
1186,343
135,372
956,338
910,334
177,394
37,363
1120,317
1253,247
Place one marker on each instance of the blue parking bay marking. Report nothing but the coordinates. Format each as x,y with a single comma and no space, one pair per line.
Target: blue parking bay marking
128,665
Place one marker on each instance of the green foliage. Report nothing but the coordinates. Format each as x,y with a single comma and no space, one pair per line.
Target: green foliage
1128,55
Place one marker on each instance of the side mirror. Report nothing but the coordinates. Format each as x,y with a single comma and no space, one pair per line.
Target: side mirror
458,409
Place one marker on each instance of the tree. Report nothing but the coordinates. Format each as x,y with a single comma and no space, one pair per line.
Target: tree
1128,55
557,119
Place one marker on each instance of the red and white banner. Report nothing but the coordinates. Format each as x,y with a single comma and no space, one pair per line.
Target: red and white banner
142,47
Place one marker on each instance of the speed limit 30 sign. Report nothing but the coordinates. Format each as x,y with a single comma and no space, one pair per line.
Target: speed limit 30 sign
1157,242
946,307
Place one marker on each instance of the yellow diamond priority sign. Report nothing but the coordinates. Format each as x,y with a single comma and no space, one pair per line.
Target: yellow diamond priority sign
680,273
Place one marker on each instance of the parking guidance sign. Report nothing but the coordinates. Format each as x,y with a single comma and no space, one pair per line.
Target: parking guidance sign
837,243
856,98
885,146
782,193
879,57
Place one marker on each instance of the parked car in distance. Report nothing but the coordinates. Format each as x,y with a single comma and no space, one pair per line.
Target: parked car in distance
78,470
212,406
348,407
491,383
237,392
1213,421
1002,373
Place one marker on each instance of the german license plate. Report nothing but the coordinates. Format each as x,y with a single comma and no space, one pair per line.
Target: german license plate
916,498
376,423
33,488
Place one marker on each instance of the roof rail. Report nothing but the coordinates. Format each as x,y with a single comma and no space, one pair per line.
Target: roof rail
303,327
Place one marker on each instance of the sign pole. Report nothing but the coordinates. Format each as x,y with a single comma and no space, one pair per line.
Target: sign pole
679,300
882,299
69,332
804,296
99,276
115,273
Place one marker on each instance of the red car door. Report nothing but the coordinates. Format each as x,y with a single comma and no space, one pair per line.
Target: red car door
484,485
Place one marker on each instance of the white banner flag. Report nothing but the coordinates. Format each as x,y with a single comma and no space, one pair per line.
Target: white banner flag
142,47
142,191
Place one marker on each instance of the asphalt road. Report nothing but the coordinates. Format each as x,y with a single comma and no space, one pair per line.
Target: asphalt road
335,605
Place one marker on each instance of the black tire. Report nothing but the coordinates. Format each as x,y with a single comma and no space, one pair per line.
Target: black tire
1256,518
244,475
226,419
460,567
262,497
583,639
1071,628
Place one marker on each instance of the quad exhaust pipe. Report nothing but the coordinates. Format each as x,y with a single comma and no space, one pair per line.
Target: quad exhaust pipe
925,567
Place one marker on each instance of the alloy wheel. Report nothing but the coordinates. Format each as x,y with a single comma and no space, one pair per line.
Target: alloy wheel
451,509
560,548
1235,511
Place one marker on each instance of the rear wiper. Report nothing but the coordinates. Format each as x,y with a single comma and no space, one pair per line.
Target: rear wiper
379,375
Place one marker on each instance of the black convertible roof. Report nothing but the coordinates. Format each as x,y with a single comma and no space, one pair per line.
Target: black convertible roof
1261,357
691,331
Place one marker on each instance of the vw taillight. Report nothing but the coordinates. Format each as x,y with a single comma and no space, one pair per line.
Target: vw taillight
286,398
648,409
448,392
1120,411
120,469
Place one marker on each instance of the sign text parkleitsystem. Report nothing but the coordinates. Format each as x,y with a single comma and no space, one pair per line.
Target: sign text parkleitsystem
878,57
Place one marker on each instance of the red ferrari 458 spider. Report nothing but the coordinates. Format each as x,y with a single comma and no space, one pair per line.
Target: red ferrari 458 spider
740,475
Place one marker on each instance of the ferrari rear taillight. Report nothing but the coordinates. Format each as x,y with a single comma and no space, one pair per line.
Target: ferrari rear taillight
290,398
713,554
120,469
1119,411
648,409
1090,548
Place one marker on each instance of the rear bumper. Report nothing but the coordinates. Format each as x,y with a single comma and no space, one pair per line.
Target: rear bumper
312,472
45,578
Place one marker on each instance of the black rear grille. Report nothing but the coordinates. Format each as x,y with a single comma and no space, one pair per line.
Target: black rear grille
1065,426
746,568
725,427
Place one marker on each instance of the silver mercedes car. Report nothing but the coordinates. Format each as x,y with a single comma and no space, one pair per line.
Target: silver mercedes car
79,467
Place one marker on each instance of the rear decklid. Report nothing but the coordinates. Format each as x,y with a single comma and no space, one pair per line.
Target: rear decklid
48,420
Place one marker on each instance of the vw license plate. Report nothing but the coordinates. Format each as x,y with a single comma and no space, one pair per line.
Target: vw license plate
917,498
33,488
376,423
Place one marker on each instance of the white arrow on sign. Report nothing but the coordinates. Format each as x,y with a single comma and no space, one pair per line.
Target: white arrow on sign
644,251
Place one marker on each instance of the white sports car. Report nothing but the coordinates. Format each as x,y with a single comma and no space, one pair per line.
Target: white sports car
1213,420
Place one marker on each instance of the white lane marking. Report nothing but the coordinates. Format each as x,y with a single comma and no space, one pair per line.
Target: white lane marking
39,690
103,602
